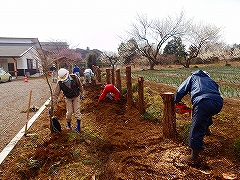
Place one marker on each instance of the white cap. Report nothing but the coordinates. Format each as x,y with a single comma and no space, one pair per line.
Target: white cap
63,74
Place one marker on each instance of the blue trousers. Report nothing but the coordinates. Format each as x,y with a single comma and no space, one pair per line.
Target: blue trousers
201,120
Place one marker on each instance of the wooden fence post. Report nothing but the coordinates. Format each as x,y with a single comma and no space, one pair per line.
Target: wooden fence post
118,81
129,86
113,76
141,95
97,72
169,115
108,75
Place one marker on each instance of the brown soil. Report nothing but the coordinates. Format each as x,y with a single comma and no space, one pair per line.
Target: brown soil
116,143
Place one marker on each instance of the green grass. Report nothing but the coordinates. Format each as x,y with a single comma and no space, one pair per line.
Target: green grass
228,77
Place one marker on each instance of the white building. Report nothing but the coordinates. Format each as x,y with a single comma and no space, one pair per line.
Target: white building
20,56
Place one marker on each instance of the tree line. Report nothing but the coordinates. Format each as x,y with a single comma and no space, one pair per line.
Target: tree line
156,41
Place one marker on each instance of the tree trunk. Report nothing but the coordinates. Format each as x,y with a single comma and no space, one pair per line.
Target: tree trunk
152,66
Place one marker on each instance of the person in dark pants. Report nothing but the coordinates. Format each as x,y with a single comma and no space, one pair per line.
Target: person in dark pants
206,100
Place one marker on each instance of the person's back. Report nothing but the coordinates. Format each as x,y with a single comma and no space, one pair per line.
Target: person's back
199,85
88,71
88,75
76,70
202,85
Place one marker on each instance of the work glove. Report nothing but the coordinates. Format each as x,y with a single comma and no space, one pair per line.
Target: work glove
82,97
50,110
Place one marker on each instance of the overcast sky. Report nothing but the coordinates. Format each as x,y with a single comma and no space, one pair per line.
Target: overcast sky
97,24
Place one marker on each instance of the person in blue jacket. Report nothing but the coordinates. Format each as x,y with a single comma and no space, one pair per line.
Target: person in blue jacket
76,70
206,101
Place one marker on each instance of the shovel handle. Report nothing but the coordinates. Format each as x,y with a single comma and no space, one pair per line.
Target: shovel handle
28,110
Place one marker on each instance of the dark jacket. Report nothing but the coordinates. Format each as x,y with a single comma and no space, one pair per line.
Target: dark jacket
200,86
76,69
69,91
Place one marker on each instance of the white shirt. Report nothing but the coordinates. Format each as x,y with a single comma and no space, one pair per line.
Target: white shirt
88,71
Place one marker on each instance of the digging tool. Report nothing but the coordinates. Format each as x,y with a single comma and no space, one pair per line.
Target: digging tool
54,123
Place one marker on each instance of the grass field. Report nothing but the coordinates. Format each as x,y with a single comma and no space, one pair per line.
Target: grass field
228,77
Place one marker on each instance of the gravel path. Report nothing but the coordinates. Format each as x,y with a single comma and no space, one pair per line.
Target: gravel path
14,97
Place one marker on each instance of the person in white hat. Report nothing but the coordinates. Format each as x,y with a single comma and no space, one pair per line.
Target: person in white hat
72,89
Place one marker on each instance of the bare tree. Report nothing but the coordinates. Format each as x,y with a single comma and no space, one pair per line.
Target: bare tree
109,58
150,35
218,49
127,51
200,37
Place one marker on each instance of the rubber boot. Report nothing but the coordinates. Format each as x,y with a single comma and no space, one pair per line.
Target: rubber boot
69,125
194,156
78,127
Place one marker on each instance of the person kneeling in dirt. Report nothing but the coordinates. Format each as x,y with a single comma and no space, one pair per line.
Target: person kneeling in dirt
206,100
110,88
73,91
88,74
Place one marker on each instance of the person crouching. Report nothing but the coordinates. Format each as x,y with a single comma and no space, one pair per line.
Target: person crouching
110,88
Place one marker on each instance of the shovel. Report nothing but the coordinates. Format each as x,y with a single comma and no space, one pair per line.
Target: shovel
54,123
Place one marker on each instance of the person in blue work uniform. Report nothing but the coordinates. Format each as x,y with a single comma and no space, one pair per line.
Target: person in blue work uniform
206,101
76,70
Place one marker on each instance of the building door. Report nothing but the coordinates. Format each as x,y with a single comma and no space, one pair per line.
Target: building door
11,68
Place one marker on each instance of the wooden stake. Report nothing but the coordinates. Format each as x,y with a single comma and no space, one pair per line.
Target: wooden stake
108,76
129,87
141,96
28,111
118,80
113,76
169,115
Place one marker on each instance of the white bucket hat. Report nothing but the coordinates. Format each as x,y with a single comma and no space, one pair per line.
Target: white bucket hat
63,74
